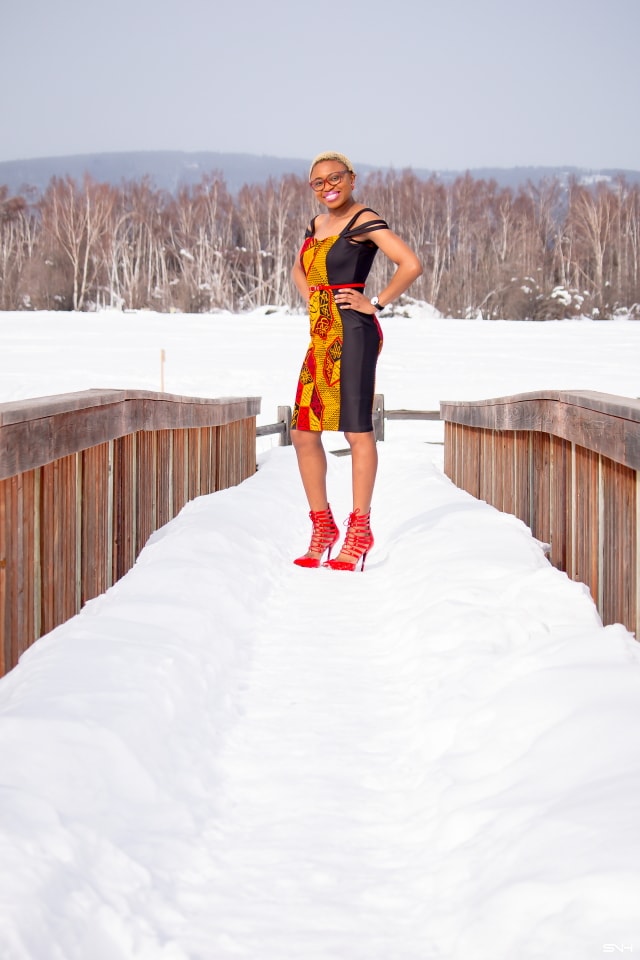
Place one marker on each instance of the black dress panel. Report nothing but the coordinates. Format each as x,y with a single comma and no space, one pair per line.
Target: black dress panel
337,380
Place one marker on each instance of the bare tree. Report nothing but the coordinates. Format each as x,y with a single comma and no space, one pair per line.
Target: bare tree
545,250
16,245
75,218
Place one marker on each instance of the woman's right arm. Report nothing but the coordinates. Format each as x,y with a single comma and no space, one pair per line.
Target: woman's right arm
300,281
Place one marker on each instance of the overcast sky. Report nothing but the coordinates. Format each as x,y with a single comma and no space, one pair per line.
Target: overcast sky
448,84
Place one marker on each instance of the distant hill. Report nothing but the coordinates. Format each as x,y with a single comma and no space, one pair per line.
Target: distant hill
169,170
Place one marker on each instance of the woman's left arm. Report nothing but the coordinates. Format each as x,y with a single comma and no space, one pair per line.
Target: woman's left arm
408,266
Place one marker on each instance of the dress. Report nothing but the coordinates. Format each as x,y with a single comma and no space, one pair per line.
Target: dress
337,379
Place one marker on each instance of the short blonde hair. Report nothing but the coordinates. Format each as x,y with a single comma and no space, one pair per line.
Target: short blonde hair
332,155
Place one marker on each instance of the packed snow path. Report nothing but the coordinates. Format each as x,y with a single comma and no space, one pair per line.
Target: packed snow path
227,756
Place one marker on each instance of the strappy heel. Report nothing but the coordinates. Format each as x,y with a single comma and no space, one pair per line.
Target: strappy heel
325,535
357,542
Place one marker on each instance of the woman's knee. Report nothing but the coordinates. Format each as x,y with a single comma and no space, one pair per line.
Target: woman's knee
306,439
364,440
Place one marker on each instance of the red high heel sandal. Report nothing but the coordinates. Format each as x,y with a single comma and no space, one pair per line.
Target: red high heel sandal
357,542
325,535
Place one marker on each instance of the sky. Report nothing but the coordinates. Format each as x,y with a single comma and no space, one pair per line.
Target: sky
448,85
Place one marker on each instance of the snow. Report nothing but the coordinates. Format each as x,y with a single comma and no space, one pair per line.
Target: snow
227,756
589,179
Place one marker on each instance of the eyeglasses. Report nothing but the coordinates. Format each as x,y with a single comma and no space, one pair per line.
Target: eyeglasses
333,180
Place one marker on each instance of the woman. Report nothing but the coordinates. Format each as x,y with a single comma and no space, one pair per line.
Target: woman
336,384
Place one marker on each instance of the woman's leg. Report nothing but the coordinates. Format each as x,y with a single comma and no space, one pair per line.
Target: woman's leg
364,466
312,463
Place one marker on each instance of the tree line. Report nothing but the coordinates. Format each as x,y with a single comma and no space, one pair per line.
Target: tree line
543,251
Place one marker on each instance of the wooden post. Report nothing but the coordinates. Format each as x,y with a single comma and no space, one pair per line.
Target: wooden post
284,416
378,416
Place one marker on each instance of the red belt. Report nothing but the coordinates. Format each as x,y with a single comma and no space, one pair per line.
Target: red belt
333,286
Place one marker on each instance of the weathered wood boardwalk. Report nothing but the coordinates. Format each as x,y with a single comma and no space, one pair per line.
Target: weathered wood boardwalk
568,465
85,479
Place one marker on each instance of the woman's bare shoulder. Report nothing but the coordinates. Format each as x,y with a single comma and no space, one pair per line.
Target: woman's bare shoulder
365,215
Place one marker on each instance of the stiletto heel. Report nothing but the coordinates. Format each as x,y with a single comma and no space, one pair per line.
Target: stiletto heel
357,543
325,535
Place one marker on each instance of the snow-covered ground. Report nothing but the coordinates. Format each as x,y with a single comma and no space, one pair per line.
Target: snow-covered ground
227,756
425,359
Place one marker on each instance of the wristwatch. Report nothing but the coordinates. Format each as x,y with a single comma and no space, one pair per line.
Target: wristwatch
375,302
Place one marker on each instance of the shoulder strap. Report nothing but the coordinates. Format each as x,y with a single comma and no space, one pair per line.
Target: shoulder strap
355,217
368,227
311,229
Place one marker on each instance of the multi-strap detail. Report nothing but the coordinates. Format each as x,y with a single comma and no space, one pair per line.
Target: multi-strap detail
357,543
325,534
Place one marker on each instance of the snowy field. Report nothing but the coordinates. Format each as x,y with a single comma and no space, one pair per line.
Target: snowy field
425,359
227,756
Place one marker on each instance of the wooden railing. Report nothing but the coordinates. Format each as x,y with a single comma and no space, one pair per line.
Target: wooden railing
568,465
85,478
282,426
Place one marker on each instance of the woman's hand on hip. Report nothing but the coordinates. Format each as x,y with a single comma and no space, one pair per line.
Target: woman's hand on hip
350,299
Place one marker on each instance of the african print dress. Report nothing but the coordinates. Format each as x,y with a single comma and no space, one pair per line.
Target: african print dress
337,379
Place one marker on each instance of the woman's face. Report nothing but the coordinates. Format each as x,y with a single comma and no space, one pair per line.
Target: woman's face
333,195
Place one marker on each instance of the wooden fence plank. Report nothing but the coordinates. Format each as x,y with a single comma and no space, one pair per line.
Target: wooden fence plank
5,570
560,504
541,459
522,475
193,462
164,477
146,485
124,506
620,524
96,555
59,536
586,519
